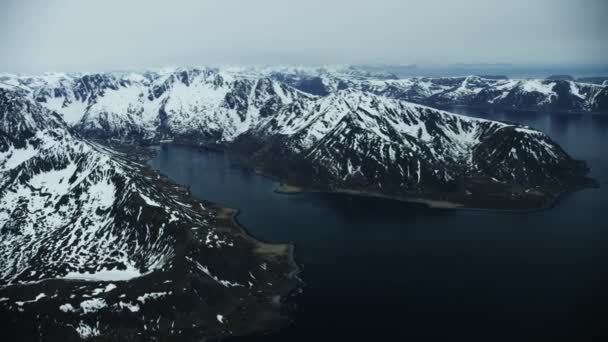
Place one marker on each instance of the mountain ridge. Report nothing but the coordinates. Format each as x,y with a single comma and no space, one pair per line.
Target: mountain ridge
384,146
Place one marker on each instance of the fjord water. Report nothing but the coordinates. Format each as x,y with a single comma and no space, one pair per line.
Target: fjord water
377,270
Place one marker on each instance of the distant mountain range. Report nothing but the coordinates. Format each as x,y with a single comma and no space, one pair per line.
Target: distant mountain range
488,91
335,128
136,101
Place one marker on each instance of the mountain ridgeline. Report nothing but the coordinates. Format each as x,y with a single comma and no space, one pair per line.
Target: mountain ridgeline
337,130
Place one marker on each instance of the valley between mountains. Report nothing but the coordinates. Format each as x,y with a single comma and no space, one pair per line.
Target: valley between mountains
94,239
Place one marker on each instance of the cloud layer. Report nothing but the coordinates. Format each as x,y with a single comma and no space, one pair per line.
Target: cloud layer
103,35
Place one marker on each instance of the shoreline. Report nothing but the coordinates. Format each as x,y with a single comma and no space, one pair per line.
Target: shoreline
225,214
273,313
288,189
551,199
263,247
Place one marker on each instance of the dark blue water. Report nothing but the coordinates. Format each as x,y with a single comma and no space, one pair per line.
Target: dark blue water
382,270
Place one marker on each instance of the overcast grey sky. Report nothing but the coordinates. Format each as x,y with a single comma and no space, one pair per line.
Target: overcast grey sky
77,35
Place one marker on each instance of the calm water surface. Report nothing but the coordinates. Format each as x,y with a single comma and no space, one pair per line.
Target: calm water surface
382,270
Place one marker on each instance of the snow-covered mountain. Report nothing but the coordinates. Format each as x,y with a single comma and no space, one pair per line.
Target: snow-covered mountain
357,133
201,102
361,141
534,94
94,243
226,102
500,93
